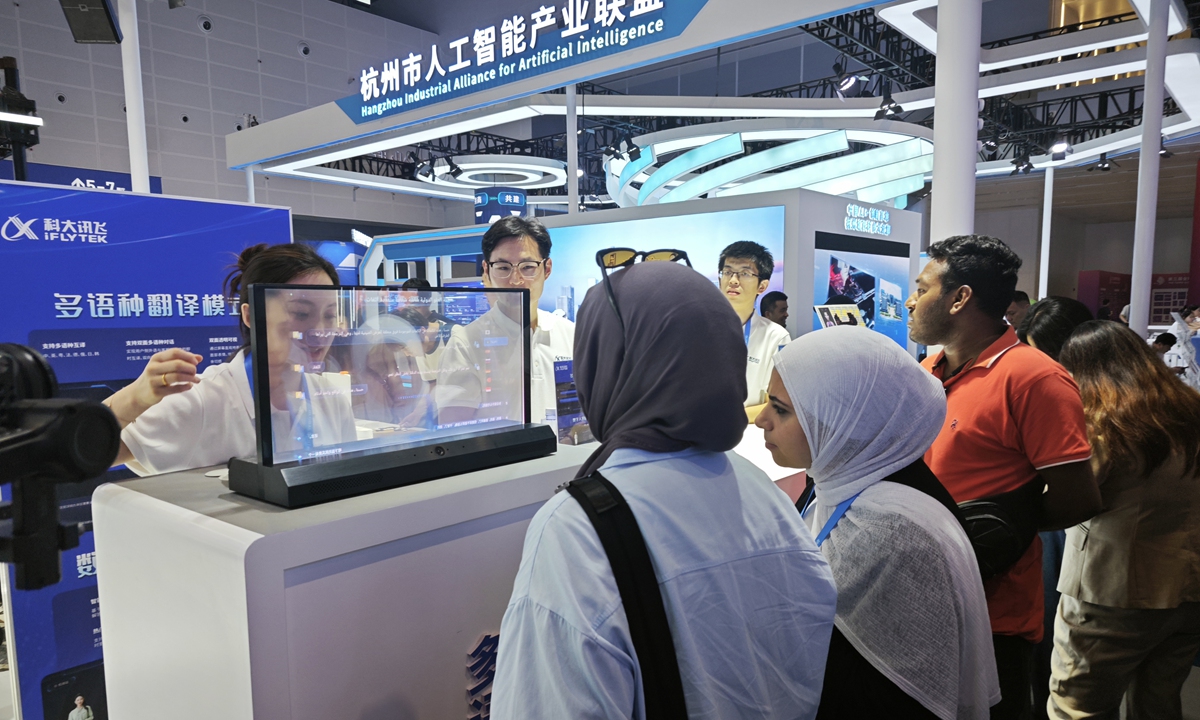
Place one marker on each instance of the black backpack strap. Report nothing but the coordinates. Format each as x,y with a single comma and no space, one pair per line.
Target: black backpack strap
806,495
626,550
918,476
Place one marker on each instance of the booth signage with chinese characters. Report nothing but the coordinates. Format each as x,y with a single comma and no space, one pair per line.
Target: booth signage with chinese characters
548,37
873,221
103,280
493,203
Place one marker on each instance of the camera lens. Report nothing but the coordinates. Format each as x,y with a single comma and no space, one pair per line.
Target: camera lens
25,375
93,440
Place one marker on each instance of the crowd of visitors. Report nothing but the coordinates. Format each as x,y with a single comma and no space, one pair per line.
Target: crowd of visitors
918,573
1010,529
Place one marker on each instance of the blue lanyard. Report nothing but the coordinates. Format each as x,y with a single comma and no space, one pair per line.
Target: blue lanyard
746,329
306,439
838,512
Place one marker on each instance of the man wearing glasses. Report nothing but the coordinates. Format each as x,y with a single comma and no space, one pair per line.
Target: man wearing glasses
516,255
745,271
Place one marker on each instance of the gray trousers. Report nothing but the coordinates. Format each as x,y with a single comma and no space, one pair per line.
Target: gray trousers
1102,654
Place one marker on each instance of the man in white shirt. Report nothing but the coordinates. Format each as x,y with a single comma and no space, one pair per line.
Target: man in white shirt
516,254
745,271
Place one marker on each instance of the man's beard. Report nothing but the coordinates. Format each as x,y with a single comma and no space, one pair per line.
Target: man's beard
931,328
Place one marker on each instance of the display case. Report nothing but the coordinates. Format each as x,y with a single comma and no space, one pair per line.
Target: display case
358,389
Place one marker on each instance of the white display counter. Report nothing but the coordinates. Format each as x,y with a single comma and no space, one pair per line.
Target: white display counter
215,605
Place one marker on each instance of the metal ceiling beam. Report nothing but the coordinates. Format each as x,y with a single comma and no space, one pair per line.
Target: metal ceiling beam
878,46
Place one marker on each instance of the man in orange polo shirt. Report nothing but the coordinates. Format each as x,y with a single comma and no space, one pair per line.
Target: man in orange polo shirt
1012,414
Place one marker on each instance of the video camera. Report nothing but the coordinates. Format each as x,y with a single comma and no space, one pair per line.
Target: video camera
44,441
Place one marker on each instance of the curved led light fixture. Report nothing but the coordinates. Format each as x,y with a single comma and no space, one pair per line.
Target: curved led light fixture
813,175
891,190
715,151
475,171
758,163
871,176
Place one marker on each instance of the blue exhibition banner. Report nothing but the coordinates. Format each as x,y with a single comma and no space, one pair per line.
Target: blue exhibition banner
99,281
76,177
501,50
55,639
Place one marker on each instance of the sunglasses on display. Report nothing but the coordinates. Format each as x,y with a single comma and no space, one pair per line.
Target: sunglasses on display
617,258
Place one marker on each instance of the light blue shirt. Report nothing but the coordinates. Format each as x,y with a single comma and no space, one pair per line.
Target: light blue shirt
749,598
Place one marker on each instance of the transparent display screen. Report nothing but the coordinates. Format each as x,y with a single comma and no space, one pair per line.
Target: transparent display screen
366,369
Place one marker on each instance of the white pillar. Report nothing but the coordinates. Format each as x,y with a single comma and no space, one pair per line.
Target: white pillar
572,153
1147,189
135,106
1043,288
955,130
250,183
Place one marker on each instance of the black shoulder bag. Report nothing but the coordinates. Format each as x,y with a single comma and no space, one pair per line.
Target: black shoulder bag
625,547
1001,527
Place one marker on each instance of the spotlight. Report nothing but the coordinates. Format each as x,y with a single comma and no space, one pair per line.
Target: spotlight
844,81
1104,164
1060,149
412,157
424,171
455,170
635,152
888,108
1162,148
1021,165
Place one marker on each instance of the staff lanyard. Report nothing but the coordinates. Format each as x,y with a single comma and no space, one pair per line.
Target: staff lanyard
306,438
746,330
838,512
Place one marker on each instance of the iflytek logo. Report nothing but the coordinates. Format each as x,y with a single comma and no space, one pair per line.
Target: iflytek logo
55,229
14,229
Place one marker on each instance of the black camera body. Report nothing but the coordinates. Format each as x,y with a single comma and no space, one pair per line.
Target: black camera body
44,441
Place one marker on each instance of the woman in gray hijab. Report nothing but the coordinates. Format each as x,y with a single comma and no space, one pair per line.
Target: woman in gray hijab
749,599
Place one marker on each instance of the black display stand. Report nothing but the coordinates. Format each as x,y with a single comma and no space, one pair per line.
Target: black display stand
298,484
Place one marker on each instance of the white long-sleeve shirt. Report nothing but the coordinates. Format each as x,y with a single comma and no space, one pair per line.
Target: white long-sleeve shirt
749,598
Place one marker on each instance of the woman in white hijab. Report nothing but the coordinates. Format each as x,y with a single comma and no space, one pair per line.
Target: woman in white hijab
912,637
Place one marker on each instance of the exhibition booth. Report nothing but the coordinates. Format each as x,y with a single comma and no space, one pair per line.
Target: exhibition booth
327,576
360,562
391,601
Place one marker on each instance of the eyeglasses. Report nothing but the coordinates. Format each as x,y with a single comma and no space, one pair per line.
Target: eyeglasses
503,271
743,276
617,258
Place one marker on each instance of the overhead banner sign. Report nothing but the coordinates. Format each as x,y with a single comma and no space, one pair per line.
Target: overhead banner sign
97,282
76,177
548,37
